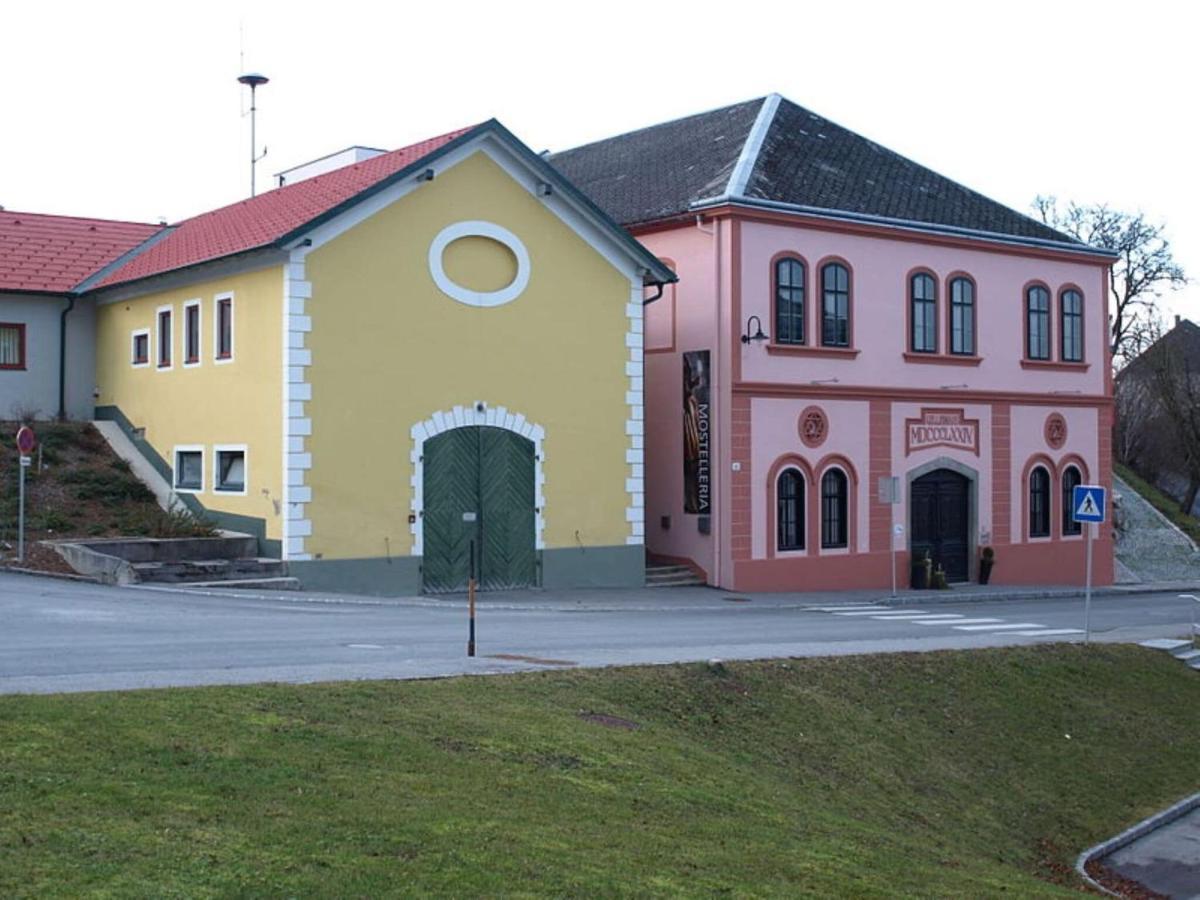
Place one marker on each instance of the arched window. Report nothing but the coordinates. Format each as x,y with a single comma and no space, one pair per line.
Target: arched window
1037,327
1039,502
1071,479
922,295
789,301
835,310
789,515
1070,304
834,527
962,316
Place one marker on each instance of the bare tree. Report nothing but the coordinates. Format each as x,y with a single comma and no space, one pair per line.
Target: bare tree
1144,269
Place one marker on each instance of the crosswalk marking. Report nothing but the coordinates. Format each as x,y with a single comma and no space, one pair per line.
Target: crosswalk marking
963,622
880,611
957,621
1046,632
836,609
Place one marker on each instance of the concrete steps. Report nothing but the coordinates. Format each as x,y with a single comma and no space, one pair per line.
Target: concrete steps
1184,651
227,561
672,576
209,570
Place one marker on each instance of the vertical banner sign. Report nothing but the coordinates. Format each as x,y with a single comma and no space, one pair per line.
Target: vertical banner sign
697,434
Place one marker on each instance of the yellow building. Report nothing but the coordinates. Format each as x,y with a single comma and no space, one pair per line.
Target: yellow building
390,368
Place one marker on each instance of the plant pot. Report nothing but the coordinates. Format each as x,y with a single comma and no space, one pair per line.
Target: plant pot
985,570
919,580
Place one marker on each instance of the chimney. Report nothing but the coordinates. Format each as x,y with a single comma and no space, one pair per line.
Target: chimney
1177,319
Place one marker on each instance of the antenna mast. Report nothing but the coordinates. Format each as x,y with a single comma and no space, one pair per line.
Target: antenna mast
253,80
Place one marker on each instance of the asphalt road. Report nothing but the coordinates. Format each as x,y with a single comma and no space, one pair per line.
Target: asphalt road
66,636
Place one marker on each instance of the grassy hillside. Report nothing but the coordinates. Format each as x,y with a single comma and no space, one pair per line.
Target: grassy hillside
950,774
80,489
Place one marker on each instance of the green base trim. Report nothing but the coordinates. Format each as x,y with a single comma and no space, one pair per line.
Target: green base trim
621,566
400,576
250,525
378,577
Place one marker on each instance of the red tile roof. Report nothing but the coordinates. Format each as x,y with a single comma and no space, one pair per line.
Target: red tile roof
55,253
259,221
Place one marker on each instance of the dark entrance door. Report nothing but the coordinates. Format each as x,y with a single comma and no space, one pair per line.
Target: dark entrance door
478,486
939,521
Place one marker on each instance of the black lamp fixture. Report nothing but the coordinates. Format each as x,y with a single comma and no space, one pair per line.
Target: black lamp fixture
758,335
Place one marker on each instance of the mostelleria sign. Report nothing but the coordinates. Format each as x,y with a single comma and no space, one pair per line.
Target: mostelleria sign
941,428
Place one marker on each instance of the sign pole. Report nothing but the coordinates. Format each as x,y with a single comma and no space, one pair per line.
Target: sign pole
21,513
471,604
1087,596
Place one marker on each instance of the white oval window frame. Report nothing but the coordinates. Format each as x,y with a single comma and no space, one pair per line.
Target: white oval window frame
456,291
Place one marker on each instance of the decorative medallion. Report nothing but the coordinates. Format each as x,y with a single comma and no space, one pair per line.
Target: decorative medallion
813,426
942,428
1056,431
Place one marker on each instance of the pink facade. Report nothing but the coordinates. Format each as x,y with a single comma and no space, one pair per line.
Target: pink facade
960,431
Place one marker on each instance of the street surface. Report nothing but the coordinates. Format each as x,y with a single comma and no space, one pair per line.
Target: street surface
1167,860
69,636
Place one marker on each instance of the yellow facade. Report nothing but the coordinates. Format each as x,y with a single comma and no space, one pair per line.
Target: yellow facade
212,403
389,350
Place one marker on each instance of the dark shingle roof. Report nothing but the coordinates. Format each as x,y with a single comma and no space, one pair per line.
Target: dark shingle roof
659,171
804,160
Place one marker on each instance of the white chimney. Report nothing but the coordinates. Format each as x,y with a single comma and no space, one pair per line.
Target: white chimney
324,164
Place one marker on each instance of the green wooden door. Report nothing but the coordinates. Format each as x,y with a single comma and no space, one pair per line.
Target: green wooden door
487,472
506,495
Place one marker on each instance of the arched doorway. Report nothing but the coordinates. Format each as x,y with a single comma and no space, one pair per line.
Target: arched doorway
478,488
940,514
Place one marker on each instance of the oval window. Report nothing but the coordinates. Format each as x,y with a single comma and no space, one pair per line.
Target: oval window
479,263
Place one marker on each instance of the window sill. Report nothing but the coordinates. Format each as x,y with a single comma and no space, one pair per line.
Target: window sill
1054,366
941,359
805,350
20,368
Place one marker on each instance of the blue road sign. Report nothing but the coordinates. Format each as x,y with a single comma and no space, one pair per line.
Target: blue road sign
1089,503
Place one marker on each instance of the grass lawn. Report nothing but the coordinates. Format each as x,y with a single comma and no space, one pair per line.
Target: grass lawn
1165,504
942,774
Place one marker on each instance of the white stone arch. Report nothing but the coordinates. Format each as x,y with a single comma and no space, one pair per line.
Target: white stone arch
478,412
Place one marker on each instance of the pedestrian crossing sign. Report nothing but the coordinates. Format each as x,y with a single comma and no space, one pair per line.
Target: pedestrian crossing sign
1088,503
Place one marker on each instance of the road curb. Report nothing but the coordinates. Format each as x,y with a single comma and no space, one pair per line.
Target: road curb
1129,835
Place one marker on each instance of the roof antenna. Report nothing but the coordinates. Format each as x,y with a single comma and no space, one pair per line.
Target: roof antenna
253,80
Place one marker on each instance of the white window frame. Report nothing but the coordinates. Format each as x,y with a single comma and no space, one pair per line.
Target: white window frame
183,334
186,448
133,336
216,472
157,342
217,358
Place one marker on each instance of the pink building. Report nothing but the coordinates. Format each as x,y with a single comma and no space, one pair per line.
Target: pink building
845,317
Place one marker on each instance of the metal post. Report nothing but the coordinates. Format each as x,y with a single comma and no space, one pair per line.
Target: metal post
471,604
893,536
253,142
1195,625
1087,596
21,512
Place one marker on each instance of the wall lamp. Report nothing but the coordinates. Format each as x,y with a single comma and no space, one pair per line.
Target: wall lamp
952,387
824,381
758,335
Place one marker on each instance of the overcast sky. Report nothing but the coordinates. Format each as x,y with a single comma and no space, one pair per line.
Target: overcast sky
131,110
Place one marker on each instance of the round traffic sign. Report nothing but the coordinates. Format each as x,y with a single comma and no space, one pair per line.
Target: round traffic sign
26,440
